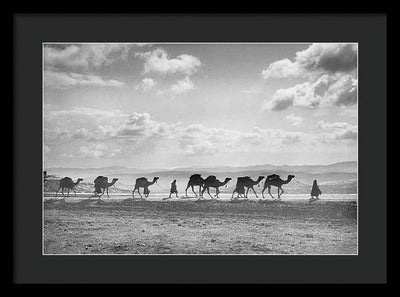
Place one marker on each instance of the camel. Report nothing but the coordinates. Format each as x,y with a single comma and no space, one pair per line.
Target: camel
142,182
276,181
68,183
213,182
101,185
195,180
247,182
146,192
239,189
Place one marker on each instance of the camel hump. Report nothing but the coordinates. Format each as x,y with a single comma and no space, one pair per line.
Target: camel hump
100,179
210,179
67,179
141,179
272,176
195,175
242,179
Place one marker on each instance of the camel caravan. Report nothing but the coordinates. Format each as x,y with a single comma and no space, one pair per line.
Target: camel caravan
243,186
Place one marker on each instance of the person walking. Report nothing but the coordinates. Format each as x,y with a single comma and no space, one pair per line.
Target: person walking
173,189
315,191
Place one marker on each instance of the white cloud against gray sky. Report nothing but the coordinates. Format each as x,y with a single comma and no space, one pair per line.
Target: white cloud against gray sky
330,71
171,105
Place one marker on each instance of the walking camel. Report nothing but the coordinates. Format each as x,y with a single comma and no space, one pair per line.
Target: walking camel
142,182
239,188
69,184
213,182
101,185
195,180
276,181
247,182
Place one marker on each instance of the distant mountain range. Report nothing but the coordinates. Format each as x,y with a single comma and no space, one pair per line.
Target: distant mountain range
343,167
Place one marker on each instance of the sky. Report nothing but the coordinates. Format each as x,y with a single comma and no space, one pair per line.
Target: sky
164,106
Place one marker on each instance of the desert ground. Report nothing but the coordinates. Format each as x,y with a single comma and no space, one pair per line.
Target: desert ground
189,226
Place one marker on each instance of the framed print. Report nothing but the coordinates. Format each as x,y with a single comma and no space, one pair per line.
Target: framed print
200,142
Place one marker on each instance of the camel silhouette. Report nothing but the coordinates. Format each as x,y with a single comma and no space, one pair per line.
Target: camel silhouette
68,183
245,182
276,181
213,182
142,182
195,180
101,185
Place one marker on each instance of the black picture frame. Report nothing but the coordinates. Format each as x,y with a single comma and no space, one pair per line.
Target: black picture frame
30,30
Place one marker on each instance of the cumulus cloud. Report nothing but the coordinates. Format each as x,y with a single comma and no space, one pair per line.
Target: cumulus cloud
182,86
339,90
158,62
282,69
294,120
146,84
317,59
63,80
138,132
83,56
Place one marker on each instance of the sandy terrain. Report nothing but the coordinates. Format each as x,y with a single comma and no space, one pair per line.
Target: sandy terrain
177,226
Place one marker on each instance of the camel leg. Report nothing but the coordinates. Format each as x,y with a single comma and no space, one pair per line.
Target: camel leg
262,193
281,193
102,193
208,191
216,193
269,192
188,186
193,190
202,192
138,190
74,191
107,193
62,191
68,193
247,193
254,192
234,191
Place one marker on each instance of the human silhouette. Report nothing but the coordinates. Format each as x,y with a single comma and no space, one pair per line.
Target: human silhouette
173,189
315,191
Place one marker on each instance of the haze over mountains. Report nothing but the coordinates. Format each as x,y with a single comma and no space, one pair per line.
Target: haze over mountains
338,178
349,167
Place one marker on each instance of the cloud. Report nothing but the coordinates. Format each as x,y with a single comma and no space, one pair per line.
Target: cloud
122,133
337,131
316,60
339,90
294,120
200,148
282,69
83,56
158,62
182,86
97,151
146,84
62,80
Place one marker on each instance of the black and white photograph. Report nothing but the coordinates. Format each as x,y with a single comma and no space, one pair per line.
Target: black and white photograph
200,148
